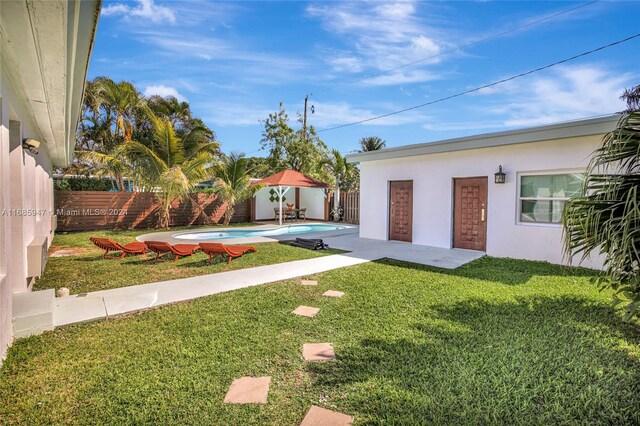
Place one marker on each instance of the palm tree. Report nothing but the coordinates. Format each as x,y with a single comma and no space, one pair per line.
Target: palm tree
336,165
172,165
606,218
233,183
121,100
109,112
372,143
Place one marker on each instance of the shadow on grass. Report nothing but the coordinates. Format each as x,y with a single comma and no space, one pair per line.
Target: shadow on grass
504,270
537,359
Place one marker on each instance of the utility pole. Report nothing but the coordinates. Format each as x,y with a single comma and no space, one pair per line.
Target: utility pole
304,117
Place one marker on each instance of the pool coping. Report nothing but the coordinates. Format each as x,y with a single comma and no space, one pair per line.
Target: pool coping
168,236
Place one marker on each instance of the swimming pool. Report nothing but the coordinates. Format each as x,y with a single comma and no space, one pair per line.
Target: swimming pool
239,233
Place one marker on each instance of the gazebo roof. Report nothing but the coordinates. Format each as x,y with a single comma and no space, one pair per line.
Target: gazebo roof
291,178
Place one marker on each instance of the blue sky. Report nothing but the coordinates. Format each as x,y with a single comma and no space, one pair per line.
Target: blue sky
235,61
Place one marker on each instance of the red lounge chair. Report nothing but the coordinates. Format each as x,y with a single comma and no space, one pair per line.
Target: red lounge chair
179,250
109,245
215,249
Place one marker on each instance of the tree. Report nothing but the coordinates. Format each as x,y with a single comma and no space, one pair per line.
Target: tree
233,183
259,167
115,114
289,149
606,217
372,143
336,166
110,114
173,165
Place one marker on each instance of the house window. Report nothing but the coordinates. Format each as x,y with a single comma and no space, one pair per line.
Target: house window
542,197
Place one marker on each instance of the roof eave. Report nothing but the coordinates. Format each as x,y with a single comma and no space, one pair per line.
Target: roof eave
592,126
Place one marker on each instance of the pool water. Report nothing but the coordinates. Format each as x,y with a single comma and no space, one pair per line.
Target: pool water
239,233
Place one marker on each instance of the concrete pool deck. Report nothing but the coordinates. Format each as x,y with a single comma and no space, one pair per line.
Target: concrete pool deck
170,236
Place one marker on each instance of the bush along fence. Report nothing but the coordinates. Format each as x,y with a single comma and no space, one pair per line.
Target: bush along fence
90,210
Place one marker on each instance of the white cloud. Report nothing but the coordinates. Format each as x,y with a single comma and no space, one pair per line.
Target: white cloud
146,9
164,91
400,77
569,93
326,114
565,93
382,37
337,113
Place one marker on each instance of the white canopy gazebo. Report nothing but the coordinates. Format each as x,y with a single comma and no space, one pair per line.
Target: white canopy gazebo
309,193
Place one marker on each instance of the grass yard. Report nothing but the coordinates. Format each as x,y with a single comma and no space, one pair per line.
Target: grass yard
86,271
494,342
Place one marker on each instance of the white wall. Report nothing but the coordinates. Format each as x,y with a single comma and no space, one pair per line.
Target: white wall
433,175
264,207
313,199
25,184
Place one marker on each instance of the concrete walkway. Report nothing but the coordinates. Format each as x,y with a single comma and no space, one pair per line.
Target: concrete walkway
107,303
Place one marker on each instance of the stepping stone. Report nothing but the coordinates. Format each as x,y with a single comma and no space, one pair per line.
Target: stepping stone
318,416
306,311
318,352
333,293
248,390
308,282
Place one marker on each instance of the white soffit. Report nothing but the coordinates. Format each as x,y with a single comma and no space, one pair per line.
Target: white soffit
45,48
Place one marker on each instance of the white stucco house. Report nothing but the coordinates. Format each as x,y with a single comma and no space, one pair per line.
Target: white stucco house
446,193
44,55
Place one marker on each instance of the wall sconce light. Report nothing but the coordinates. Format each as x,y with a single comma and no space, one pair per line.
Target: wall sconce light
500,176
31,145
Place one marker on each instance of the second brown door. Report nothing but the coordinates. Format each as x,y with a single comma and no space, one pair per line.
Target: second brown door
470,213
401,210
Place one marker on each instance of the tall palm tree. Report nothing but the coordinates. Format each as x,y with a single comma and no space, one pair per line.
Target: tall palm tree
109,112
233,183
121,100
606,218
372,143
172,165
336,166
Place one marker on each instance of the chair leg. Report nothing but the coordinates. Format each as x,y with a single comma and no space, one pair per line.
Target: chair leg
229,259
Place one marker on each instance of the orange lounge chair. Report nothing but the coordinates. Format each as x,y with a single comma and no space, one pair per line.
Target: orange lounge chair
215,249
109,245
179,250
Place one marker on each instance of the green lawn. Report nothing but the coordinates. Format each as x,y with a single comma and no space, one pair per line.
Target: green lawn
87,271
494,342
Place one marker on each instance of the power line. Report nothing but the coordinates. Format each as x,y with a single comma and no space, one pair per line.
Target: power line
495,83
473,43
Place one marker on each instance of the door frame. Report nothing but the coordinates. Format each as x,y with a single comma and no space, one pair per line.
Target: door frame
453,210
389,209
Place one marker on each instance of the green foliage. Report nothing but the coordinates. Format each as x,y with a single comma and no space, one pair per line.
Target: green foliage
115,114
259,166
233,182
299,150
83,184
173,165
372,143
606,218
497,341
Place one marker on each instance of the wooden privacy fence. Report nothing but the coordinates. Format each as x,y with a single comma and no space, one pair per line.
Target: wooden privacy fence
89,210
350,202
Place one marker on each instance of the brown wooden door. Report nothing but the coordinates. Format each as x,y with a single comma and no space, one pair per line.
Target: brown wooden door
401,210
470,213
